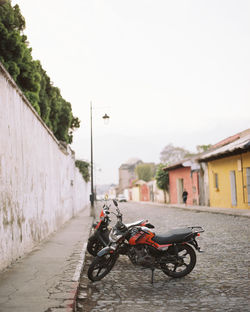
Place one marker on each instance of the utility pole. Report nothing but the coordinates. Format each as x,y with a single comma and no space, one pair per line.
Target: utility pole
92,195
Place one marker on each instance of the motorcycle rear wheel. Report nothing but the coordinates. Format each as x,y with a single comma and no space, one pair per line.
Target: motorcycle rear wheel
94,246
181,265
101,266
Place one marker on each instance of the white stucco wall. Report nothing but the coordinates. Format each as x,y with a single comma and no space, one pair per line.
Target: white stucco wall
40,187
159,196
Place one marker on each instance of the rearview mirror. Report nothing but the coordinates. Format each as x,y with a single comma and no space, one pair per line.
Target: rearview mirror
149,225
115,202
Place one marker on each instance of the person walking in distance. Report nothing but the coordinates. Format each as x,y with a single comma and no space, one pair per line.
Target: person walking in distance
184,196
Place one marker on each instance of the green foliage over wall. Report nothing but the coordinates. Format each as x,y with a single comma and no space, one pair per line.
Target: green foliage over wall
203,148
145,172
84,169
162,179
29,75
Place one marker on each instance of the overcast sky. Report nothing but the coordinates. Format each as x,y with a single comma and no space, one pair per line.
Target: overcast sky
165,71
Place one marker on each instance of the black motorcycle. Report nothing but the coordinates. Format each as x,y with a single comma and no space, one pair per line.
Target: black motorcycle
100,238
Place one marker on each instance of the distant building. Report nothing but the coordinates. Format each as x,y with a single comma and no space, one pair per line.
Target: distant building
228,164
218,177
127,173
156,195
140,191
184,175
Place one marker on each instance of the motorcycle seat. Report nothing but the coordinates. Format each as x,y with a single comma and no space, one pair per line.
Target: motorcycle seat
173,236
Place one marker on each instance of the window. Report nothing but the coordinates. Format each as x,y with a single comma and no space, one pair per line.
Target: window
233,188
216,181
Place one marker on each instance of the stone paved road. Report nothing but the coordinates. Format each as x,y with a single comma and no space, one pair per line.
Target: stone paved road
220,280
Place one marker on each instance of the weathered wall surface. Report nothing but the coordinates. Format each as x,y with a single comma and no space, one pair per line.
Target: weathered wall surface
40,187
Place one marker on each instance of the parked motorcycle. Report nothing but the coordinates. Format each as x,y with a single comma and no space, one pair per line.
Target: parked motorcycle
173,252
100,238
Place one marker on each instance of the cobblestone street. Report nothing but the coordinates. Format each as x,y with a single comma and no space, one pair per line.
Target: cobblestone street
220,280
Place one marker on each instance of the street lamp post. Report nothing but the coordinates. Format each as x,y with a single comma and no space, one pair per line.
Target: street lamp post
91,164
92,195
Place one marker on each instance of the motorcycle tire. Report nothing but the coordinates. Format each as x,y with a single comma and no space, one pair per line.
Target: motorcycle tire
101,266
181,265
94,246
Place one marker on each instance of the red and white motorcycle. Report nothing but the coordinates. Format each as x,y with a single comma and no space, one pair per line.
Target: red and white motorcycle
173,252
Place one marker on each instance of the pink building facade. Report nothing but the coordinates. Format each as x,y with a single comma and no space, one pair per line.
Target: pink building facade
144,192
180,179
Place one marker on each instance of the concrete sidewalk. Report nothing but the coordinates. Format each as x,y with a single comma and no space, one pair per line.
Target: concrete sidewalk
47,279
227,211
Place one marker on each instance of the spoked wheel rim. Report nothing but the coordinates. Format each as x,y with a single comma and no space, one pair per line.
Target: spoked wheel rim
181,265
94,246
101,266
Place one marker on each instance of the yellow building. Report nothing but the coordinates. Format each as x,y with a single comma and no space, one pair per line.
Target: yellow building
136,190
229,174
136,193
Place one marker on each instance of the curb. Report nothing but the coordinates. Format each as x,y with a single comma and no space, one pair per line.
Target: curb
245,213
242,213
76,277
67,288
71,307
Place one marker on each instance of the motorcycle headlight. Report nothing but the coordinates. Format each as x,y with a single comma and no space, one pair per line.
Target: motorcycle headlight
114,236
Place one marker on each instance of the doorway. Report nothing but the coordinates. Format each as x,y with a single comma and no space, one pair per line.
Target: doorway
180,188
248,185
233,188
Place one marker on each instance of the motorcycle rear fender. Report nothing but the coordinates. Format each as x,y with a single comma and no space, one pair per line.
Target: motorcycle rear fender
105,251
194,243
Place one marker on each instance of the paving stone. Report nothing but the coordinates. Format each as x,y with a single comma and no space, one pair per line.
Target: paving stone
82,295
219,281
59,310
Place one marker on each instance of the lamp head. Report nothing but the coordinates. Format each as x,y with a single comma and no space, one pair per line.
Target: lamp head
106,119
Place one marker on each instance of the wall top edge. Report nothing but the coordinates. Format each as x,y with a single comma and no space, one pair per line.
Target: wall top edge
18,90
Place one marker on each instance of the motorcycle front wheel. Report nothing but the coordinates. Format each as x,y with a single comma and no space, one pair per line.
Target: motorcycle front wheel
181,264
101,266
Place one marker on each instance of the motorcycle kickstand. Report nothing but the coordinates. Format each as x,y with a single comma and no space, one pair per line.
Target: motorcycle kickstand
152,276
